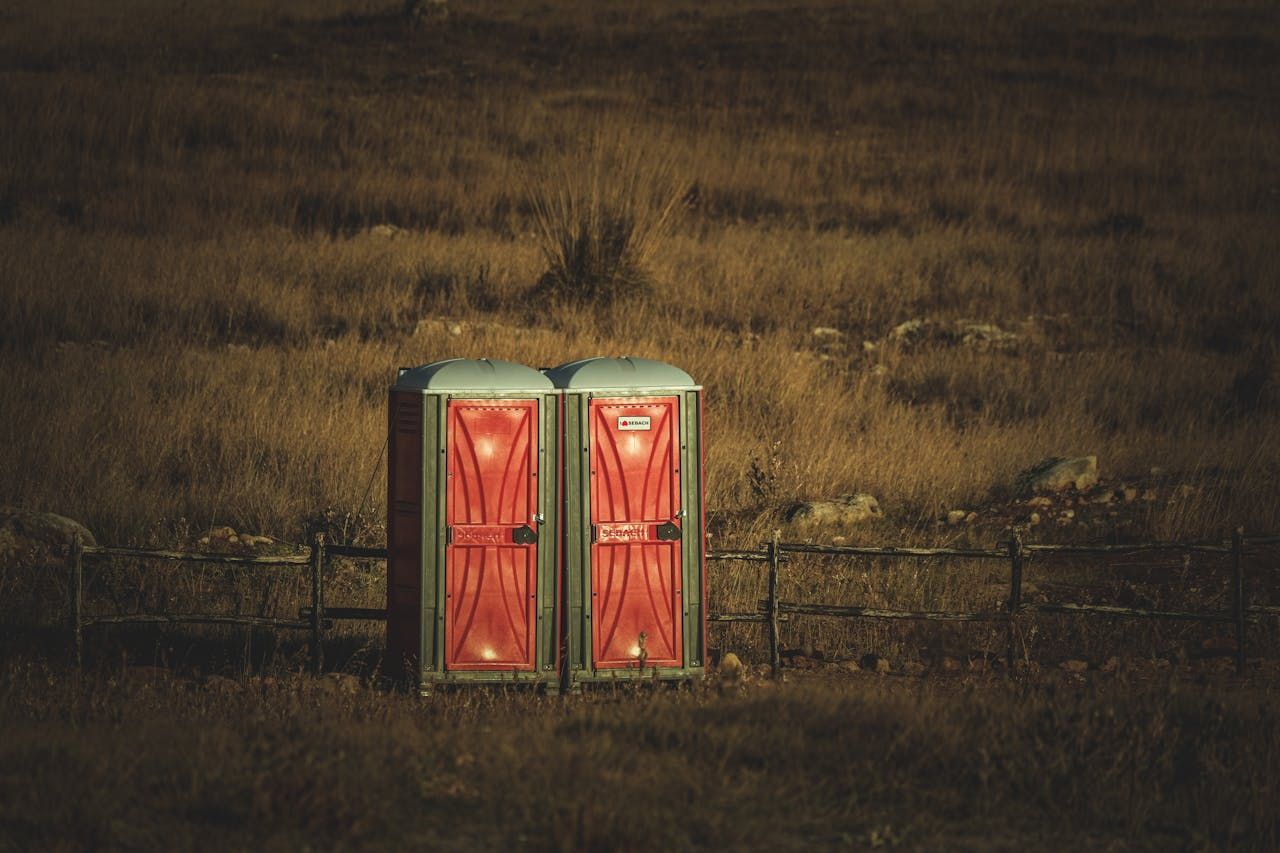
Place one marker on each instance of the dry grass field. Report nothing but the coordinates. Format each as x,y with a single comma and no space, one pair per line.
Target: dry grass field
222,228
140,762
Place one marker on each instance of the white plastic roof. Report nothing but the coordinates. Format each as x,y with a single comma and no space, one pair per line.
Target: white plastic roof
619,374
466,374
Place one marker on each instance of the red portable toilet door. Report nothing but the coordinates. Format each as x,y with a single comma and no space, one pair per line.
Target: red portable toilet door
635,532
491,559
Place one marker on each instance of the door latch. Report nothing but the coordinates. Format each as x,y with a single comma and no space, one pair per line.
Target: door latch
668,532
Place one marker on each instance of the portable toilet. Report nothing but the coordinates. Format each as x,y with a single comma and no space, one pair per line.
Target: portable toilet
472,569
633,518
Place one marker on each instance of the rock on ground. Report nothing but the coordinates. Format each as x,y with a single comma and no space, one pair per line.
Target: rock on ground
969,333
1058,474
844,510
426,11
33,537
730,667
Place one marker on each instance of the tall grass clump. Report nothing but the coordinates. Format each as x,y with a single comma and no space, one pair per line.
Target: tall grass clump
599,219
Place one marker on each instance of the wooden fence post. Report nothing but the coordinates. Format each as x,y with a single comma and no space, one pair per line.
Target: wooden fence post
1015,597
775,650
77,598
1237,593
317,604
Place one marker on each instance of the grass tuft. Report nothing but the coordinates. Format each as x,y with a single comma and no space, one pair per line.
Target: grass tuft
600,218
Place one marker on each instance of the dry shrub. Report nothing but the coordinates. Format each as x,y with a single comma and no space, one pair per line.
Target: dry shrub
599,218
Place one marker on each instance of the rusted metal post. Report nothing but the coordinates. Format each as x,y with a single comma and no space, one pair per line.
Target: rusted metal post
77,598
1015,598
1237,593
317,604
775,649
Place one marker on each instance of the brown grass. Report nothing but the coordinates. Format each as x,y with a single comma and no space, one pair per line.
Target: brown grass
131,761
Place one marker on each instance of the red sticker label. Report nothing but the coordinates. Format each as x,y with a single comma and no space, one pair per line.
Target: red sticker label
629,424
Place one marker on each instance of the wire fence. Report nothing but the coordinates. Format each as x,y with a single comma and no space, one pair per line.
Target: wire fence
770,612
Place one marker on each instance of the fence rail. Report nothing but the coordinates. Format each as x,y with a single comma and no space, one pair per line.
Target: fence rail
771,612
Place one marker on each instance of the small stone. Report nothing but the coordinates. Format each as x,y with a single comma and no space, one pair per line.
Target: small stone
850,666
731,668
1040,502
839,540
426,12
913,668
971,518
1034,519
869,346
455,329
1105,497
879,370
910,331
1110,665
1130,494
1068,513
956,516
826,333
1074,666
1149,496
986,336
